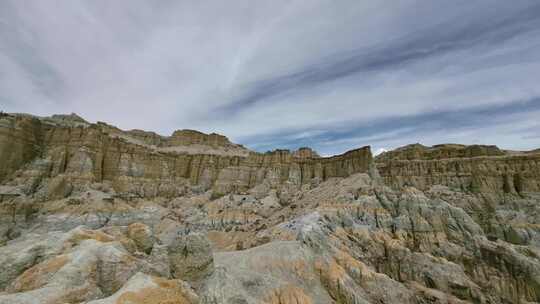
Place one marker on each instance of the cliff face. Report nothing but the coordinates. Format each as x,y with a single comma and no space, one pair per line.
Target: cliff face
20,142
93,214
421,152
476,168
190,137
74,154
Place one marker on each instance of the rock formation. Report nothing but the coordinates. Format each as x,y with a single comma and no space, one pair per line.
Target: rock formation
475,168
53,156
90,213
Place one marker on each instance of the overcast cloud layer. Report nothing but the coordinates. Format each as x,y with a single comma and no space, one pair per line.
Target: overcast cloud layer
334,75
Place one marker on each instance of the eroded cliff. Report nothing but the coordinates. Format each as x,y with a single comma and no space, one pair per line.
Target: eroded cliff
73,154
471,168
93,214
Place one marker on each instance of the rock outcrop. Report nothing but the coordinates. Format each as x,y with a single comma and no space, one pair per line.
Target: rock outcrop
191,258
54,156
470,168
142,235
93,214
20,142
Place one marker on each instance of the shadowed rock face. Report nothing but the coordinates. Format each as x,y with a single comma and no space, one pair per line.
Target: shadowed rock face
93,214
20,139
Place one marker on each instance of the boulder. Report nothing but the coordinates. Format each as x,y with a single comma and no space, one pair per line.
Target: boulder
191,257
143,289
142,235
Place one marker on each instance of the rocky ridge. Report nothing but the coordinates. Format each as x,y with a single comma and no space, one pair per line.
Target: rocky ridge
93,214
72,155
482,169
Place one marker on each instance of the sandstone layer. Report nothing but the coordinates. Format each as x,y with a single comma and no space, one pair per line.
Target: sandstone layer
475,168
72,154
93,214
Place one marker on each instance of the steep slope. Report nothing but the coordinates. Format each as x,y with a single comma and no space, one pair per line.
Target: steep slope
93,214
71,154
476,168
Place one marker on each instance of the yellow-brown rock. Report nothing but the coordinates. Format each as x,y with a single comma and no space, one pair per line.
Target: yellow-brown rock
469,168
148,165
20,142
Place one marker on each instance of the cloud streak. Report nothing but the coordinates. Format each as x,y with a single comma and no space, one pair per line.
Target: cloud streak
282,73
463,126
437,41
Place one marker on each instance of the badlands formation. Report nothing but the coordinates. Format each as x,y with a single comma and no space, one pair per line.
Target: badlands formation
93,214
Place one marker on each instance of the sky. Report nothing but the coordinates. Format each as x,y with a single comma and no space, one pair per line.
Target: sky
332,75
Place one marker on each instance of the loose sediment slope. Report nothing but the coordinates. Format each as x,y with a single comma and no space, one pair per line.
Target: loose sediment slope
93,214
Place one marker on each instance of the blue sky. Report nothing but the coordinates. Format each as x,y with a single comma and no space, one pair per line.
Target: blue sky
333,75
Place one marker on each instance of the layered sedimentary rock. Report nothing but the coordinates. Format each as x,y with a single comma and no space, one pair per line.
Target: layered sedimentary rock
20,142
305,152
421,152
72,153
190,137
346,240
471,168
93,214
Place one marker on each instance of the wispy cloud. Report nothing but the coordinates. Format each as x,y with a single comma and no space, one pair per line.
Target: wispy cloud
441,39
506,124
282,73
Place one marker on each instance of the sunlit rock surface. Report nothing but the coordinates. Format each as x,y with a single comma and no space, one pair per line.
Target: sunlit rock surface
93,214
